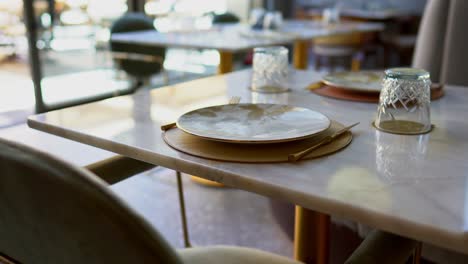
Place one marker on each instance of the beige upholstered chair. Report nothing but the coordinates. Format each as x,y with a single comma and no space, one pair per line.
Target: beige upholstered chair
53,212
441,47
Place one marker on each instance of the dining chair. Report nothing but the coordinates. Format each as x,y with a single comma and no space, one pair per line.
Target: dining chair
340,50
398,40
54,212
223,18
344,50
442,41
138,61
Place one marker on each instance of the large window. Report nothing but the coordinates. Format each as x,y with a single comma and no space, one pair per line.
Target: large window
70,55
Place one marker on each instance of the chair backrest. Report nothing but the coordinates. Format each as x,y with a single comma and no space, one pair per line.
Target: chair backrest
53,212
442,41
131,22
225,18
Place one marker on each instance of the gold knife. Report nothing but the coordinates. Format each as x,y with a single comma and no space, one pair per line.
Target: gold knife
299,155
233,100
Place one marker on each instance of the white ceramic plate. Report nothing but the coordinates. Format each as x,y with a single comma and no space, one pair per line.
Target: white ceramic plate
253,123
364,81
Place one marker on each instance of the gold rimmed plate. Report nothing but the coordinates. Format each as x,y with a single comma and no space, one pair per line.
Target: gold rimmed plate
362,81
253,123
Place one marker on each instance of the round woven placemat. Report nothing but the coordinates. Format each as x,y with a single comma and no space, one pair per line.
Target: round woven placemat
254,153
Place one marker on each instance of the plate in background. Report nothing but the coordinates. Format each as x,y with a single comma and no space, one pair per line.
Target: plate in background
363,81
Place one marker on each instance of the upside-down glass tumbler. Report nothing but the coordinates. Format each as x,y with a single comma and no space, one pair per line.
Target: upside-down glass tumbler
270,70
404,104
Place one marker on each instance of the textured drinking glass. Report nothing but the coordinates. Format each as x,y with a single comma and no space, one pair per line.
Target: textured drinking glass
270,70
404,105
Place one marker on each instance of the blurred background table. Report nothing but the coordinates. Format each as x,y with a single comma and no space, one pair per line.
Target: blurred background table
229,39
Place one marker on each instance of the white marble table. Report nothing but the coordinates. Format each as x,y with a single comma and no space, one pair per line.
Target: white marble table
233,38
415,186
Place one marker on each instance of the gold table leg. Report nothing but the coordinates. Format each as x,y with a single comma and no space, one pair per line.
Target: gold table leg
311,236
300,56
225,62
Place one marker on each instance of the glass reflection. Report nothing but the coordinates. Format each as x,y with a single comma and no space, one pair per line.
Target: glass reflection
399,158
270,98
359,186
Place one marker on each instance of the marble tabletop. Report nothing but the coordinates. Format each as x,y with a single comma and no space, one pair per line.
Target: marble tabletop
415,186
239,37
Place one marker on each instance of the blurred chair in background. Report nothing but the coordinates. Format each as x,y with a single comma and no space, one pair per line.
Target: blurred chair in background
138,61
224,18
338,51
441,47
399,40
345,51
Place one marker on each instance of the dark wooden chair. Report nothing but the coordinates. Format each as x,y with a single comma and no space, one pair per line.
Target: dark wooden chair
138,61
225,18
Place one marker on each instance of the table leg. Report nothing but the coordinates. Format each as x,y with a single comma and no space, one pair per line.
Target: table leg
183,216
225,62
311,236
300,56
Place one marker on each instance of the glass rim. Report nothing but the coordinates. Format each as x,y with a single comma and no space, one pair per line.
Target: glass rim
407,73
271,49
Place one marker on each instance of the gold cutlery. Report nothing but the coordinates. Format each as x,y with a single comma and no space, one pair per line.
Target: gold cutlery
233,100
168,126
299,155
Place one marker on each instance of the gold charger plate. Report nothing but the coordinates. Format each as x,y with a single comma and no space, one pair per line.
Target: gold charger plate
253,123
254,153
363,81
